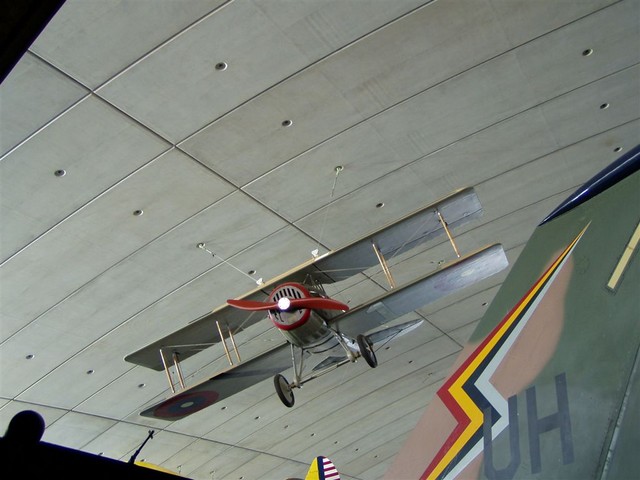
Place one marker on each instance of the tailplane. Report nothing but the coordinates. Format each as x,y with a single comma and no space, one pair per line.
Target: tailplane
393,332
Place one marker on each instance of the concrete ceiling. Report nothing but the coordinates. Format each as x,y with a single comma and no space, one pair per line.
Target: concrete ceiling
178,109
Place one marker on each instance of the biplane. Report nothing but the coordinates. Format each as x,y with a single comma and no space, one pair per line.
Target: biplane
314,324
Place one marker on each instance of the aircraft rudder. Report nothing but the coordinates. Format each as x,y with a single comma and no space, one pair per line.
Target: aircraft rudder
322,469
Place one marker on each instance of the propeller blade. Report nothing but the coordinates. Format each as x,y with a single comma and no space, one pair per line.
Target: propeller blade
314,303
252,305
318,303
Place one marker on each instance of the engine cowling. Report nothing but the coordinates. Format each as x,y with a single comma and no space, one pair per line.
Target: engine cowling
289,319
302,327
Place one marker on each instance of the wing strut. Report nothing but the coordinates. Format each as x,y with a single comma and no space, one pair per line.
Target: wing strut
446,229
383,264
166,370
176,364
176,357
224,344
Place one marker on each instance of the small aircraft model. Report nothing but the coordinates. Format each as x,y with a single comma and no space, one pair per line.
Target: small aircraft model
313,323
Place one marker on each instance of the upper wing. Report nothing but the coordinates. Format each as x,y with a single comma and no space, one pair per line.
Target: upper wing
451,278
400,236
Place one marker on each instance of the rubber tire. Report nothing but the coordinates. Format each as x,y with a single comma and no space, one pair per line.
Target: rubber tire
366,350
284,391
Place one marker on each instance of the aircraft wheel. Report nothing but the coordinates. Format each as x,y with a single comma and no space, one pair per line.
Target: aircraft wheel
366,350
284,391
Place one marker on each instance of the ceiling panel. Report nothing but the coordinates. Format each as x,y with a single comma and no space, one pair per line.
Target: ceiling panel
222,465
139,386
317,27
93,41
245,39
75,430
107,148
11,408
522,20
319,100
106,231
255,138
500,90
611,52
118,441
195,456
262,463
34,94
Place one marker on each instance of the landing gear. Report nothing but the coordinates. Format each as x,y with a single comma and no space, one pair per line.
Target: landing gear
366,350
284,391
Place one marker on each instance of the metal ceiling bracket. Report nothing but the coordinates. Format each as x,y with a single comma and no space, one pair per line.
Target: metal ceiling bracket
446,229
383,264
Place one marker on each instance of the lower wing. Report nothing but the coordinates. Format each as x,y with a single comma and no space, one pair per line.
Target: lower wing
222,385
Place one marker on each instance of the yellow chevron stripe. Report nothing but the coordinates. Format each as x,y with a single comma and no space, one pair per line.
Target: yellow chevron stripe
456,390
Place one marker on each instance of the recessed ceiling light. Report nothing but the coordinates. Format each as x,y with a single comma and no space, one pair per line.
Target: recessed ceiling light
380,205
587,52
603,106
287,123
90,372
221,66
60,173
137,213
251,272
142,385
617,149
30,356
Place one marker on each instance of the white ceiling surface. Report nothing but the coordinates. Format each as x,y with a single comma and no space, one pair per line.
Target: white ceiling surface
415,99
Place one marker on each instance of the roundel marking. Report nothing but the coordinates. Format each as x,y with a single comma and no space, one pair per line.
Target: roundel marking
186,404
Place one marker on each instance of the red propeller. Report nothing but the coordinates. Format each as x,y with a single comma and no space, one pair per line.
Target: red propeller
285,303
